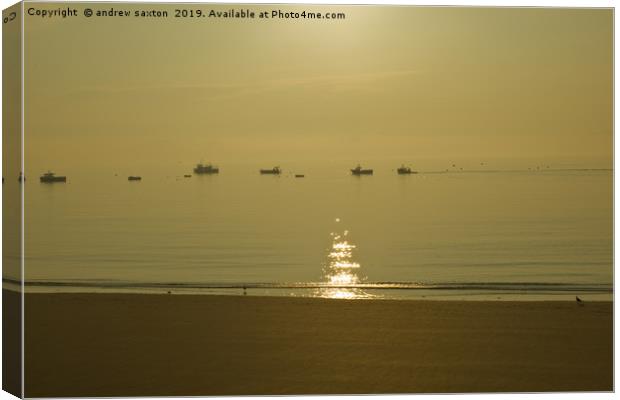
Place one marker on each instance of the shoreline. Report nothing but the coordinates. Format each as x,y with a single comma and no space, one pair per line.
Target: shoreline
459,292
89,345
408,297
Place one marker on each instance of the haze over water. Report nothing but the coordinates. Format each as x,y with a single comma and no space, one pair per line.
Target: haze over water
242,228
489,89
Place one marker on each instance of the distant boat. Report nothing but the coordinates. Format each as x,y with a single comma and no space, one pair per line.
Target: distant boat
134,178
272,171
360,171
187,176
405,170
206,169
299,176
49,177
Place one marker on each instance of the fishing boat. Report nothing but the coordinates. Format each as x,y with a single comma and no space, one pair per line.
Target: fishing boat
272,171
360,171
299,175
405,170
206,169
187,176
134,178
50,177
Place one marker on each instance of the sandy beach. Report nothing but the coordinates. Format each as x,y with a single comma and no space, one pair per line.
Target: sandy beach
135,344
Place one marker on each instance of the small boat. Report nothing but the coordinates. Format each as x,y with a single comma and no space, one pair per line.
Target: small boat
272,171
134,178
187,176
50,177
360,171
299,176
405,170
206,169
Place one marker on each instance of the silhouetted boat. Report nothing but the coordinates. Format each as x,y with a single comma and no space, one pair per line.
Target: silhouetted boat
206,169
134,178
405,170
299,176
50,177
187,176
360,171
272,171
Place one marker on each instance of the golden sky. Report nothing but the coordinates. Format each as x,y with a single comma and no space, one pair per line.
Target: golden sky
386,82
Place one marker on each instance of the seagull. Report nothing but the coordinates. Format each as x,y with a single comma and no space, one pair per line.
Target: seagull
579,301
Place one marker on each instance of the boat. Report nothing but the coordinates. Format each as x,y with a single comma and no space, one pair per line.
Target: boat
299,176
206,169
134,178
360,171
187,176
272,171
405,170
50,177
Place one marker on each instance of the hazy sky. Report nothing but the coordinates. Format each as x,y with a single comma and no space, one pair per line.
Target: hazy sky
387,82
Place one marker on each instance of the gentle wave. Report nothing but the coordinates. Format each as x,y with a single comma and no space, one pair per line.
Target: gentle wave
461,286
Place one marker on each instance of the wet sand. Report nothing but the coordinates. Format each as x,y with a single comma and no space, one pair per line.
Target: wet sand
176,345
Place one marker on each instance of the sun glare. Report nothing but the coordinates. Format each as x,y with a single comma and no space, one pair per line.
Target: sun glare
342,281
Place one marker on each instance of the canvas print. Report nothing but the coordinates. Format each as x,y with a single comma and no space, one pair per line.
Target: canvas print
290,199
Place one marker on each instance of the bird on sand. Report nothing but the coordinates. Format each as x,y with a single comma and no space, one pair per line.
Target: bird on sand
579,301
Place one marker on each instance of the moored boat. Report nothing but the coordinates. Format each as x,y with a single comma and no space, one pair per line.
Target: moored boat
361,171
134,178
50,177
405,170
206,169
272,171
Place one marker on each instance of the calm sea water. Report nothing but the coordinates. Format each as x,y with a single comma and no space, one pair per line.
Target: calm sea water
473,233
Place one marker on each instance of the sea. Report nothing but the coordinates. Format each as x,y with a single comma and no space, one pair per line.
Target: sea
473,233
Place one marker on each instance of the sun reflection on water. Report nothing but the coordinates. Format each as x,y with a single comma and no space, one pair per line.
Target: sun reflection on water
341,279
